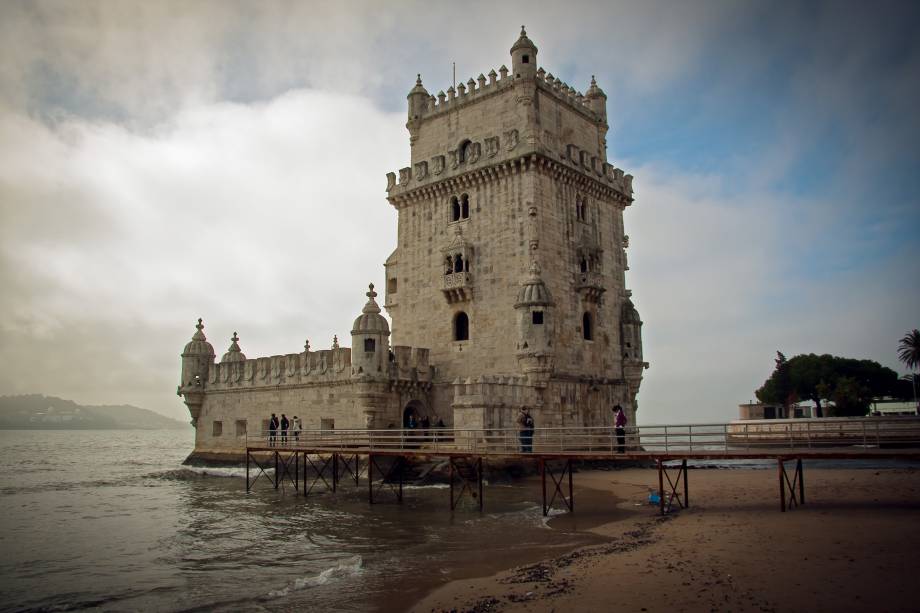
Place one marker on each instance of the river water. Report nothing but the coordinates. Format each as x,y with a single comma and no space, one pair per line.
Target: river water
111,520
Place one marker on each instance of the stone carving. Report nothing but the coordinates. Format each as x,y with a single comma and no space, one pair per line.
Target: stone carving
454,159
511,139
405,174
474,152
437,164
491,146
421,170
249,371
391,180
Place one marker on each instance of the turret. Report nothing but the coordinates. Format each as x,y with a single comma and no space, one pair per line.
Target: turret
597,100
197,357
630,332
536,326
234,353
418,105
370,341
524,57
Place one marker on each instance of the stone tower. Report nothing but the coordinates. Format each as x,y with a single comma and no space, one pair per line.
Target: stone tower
510,263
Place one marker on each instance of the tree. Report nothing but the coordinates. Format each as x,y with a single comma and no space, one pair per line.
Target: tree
778,388
909,349
909,353
850,384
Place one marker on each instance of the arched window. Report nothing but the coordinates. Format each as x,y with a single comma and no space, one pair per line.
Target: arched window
454,209
465,206
449,266
370,345
463,150
461,327
583,265
458,263
586,327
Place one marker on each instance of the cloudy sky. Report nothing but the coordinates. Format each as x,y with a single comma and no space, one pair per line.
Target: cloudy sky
164,161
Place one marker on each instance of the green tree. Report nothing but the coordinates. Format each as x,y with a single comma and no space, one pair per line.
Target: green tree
850,384
778,388
909,353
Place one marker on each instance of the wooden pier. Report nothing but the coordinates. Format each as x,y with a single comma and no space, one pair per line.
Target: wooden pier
337,455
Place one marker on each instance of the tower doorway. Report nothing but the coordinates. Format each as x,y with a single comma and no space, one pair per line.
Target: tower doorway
414,409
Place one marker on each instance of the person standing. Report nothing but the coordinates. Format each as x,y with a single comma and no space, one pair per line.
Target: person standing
285,424
272,430
619,423
297,427
526,427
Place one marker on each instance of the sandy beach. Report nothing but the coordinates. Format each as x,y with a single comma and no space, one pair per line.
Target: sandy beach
855,546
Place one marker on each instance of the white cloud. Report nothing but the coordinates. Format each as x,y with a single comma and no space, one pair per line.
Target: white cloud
247,215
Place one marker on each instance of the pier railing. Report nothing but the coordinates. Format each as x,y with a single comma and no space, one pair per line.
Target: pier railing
853,434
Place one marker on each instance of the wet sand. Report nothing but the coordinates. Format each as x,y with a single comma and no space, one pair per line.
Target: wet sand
855,546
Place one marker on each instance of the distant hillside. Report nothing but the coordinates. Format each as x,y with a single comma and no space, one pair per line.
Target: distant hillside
38,412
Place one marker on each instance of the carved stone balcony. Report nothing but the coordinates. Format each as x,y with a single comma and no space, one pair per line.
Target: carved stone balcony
457,287
590,285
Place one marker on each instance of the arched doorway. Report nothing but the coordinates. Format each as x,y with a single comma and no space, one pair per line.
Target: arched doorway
416,408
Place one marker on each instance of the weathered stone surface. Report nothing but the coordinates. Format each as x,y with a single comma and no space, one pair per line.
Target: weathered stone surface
511,184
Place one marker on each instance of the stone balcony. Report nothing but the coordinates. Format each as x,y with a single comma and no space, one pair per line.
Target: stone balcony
590,285
457,287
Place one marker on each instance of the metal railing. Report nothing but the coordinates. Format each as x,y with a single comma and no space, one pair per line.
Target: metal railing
779,435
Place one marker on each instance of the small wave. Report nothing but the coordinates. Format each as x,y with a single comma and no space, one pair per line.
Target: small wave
188,473
349,567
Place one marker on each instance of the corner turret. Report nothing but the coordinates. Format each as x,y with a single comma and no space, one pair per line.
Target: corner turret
597,100
524,57
370,341
197,358
536,327
418,105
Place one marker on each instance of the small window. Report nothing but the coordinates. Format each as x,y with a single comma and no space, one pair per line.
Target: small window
586,327
525,59
391,285
458,263
465,206
218,428
241,427
583,265
370,345
454,209
461,327
537,318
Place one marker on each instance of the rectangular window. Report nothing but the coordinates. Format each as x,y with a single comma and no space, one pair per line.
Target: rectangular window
526,59
218,428
241,427
369,345
391,285
327,424
537,318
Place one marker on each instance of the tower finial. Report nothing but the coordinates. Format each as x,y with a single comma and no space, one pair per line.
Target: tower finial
371,294
523,32
200,325
418,78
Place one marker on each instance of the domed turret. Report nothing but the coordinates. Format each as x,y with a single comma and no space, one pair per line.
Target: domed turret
370,344
536,326
196,358
418,100
524,57
630,332
234,353
597,100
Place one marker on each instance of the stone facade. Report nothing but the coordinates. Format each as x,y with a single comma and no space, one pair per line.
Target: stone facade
509,271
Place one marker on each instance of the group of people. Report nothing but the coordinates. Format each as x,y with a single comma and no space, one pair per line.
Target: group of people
526,428
294,425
